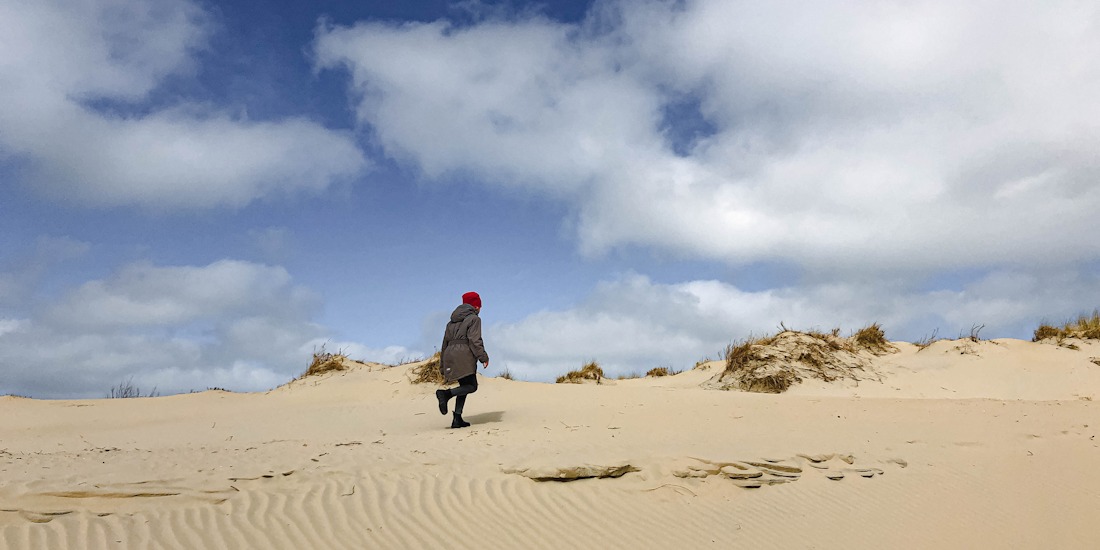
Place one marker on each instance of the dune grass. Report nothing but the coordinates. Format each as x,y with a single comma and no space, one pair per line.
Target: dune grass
127,390
428,373
1085,327
771,364
590,371
661,371
324,362
927,340
871,337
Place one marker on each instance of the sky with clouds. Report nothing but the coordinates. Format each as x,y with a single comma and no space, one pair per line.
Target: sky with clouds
200,194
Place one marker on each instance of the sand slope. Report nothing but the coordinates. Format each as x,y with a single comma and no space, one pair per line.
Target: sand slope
995,447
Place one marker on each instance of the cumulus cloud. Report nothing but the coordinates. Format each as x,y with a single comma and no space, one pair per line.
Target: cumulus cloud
633,324
388,355
60,58
908,138
233,324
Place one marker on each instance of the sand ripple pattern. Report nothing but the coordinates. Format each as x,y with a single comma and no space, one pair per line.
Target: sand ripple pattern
415,506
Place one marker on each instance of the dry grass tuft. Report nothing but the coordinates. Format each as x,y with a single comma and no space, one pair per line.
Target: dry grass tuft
590,371
974,331
927,340
739,354
777,382
1046,331
1085,327
127,390
324,362
428,373
771,364
662,371
872,338
628,376
507,375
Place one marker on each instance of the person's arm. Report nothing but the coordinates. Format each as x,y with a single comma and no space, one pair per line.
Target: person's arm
443,348
476,344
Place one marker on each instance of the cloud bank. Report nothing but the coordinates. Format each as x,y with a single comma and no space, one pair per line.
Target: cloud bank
840,137
64,64
633,324
231,324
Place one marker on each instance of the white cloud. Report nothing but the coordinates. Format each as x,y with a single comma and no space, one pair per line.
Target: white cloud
633,324
144,295
60,56
232,324
389,355
912,137
11,325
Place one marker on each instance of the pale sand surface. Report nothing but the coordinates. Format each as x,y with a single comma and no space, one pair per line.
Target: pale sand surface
993,445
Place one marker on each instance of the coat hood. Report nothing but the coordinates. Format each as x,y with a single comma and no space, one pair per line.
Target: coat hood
461,312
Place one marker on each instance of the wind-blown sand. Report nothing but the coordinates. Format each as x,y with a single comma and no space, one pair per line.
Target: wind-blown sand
989,444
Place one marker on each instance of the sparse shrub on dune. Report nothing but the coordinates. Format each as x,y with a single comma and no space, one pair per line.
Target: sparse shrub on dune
872,338
927,340
1085,327
1045,331
590,371
771,364
324,362
506,374
428,372
127,390
661,371
702,363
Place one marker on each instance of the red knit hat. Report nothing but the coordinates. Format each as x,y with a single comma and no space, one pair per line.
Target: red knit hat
472,298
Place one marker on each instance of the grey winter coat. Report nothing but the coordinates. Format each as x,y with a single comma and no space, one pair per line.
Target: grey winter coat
462,345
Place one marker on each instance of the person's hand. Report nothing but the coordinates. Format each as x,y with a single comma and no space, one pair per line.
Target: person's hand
486,364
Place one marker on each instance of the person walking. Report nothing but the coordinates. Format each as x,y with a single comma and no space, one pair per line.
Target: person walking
462,349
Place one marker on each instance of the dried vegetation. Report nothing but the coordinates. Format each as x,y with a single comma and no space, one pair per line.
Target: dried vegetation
428,372
325,362
590,371
1085,327
772,364
661,371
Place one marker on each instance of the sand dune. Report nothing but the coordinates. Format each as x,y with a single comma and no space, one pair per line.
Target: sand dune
964,444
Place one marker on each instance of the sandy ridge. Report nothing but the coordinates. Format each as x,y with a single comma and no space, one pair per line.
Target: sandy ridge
359,459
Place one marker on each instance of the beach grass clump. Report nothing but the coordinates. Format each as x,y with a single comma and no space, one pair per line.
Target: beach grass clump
325,362
1046,331
777,382
428,372
743,360
590,371
927,340
506,374
1085,327
771,364
661,371
871,338
127,390
740,354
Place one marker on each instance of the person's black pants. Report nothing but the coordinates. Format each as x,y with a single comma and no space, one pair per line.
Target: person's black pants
466,386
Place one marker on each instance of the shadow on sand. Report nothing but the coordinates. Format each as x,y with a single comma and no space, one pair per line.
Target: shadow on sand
485,418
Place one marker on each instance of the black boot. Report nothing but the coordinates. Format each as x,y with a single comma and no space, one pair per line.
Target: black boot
443,396
458,422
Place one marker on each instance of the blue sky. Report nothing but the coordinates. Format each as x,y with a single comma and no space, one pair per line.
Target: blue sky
198,194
